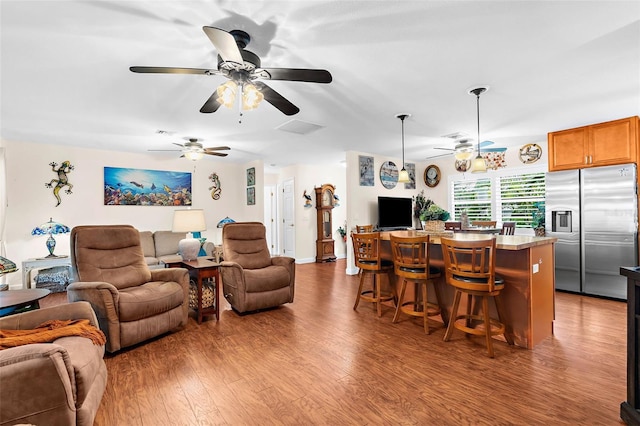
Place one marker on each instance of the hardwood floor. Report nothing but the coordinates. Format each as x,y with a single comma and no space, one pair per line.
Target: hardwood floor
317,361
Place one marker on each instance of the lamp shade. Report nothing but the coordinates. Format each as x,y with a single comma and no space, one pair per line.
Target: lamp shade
190,220
224,221
403,176
478,165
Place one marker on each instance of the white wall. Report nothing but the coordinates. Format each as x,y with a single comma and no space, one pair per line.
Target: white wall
30,203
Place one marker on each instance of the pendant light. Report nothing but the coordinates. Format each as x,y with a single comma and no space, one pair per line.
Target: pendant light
403,176
478,165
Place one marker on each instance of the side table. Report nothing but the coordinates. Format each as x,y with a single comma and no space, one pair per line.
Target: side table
201,269
41,263
15,301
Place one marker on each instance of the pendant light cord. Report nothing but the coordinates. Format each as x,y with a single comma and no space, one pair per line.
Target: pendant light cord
478,117
402,121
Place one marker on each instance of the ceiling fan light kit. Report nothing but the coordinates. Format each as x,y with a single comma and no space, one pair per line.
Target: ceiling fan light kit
403,176
478,165
463,150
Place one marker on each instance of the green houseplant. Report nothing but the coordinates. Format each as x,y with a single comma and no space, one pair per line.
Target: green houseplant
538,219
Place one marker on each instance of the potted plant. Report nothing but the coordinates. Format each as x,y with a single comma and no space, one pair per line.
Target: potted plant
343,232
433,216
538,219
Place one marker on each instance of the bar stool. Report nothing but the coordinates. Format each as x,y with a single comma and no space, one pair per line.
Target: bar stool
508,228
411,263
452,226
366,253
470,268
484,223
364,228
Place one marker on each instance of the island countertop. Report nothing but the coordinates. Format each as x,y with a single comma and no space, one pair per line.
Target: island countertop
503,242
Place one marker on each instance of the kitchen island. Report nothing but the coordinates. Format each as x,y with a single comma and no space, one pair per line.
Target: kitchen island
526,263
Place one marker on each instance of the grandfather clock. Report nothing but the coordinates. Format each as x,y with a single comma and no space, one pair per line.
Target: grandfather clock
324,208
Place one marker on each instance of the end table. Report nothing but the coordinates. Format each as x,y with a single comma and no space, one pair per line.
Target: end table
203,268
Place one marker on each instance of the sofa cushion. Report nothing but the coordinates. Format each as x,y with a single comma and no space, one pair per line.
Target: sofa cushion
148,246
86,359
166,242
265,279
149,299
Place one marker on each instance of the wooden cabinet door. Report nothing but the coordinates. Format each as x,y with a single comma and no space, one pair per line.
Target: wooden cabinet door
568,149
613,142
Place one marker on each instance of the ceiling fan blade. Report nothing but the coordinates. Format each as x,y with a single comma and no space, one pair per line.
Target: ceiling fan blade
296,74
179,144
225,44
444,149
159,150
173,70
216,148
219,154
211,105
276,99
438,156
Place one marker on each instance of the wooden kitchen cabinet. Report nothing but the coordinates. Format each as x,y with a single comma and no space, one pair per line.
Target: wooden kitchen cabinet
603,144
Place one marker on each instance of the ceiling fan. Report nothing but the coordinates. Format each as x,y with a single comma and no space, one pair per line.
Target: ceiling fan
193,150
463,149
243,70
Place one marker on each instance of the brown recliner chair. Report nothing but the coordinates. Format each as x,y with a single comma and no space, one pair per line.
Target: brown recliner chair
132,303
58,383
251,278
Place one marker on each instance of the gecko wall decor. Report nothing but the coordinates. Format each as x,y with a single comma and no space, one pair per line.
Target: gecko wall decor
62,179
216,188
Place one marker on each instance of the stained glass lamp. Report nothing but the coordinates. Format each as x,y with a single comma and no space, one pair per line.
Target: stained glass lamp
224,221
50,228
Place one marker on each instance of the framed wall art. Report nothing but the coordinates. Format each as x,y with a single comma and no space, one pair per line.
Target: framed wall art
140,187
411,169
251,176
389,174
251,196
366,170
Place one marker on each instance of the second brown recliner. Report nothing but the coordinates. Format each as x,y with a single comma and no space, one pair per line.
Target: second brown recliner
252,279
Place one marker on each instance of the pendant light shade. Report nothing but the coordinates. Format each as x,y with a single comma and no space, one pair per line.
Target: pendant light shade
478,165
403,176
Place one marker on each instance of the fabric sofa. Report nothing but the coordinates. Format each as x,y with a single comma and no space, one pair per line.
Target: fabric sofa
59,383
162,247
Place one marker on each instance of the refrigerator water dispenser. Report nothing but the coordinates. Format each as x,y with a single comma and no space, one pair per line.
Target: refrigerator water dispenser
561,221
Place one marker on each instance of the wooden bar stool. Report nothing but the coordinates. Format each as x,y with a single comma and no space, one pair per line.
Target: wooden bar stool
470,268
411,263
366,251
364,228
508,228
484,223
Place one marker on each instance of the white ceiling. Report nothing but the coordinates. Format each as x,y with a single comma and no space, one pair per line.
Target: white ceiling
550,65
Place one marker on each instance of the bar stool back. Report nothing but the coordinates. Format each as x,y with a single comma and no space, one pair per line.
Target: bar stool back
470,268
411,264
366,253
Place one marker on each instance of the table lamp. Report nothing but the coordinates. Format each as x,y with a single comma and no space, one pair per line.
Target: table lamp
190,220
224,221
50,228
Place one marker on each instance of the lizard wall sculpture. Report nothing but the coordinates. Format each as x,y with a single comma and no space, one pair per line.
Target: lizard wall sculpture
62,180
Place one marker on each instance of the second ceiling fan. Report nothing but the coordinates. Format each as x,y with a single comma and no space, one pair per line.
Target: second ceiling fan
243,69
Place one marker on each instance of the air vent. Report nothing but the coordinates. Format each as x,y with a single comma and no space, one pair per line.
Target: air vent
299,127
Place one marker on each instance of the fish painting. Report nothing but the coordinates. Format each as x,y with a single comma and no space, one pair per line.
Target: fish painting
124,186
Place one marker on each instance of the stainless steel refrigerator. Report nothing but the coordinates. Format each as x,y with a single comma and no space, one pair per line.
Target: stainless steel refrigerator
594,214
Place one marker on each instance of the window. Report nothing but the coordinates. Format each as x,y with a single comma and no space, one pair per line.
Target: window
501,196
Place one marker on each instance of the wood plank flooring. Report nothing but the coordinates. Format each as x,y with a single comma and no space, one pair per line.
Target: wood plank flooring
318,362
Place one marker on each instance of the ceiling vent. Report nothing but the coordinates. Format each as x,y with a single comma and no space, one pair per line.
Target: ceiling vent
299,127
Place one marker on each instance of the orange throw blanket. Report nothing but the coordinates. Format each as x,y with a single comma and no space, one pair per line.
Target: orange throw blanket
49,331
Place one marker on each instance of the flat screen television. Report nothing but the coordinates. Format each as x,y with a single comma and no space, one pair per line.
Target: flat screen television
395,213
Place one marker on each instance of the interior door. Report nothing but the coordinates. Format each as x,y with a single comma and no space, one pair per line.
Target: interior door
288,219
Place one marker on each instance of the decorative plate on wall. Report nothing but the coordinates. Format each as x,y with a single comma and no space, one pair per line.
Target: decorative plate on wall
389,174
463,165
530,153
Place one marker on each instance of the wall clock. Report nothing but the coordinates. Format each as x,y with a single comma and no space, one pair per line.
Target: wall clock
389,174
530,153
432,175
